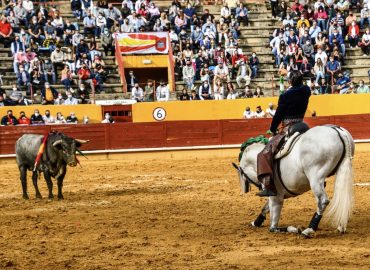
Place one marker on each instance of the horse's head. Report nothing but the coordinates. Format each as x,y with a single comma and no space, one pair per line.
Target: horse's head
244,184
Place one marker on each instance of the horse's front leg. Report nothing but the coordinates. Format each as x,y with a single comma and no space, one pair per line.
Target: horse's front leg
262,216
275,205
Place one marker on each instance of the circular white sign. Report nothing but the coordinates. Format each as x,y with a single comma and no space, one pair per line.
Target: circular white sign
159,114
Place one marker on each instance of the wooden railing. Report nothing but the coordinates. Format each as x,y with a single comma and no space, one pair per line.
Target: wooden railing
121,69
174,133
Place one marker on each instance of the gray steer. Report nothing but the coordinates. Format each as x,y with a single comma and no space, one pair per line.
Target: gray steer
59,151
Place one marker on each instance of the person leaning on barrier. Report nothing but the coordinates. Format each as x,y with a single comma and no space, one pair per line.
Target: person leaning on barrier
292,106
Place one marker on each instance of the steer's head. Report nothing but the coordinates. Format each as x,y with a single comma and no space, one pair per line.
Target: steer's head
69,146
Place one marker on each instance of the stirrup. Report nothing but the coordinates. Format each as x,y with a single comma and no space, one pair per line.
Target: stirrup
266,193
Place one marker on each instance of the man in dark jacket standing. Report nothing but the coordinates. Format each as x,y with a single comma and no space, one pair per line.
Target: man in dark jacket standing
291,108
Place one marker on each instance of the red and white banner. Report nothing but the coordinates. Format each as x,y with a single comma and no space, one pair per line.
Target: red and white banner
143,43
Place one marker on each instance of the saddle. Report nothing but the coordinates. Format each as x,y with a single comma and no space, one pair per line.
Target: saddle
294,133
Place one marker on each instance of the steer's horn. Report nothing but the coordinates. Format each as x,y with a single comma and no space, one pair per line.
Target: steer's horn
81,141
56,143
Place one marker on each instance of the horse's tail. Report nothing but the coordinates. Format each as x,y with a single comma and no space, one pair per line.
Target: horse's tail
341,205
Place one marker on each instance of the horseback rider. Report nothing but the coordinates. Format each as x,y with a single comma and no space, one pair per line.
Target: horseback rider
291,109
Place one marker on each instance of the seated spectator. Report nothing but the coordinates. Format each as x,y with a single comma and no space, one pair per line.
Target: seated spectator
23,119
89,24
221,72
48,94
248,114
231,93
149,91
365,42
68,32
101,24
70,100
247,93
321,16
107,42
5,32
81,49
306,68
259,112
108,119
59,119
83,95
163,92
57,59
254,64
362,88
36,118
20,59
99,76
188,74
16,97
319,70
24,78
258,93
72,119
342,84
59,100
270,111
84,76
17,45
332,69
324,87
66,77
242,14
205,91
353,34
48,118
49,71
244,74
365,16
137,93
218,90
194,95
336,36
9,119
184,95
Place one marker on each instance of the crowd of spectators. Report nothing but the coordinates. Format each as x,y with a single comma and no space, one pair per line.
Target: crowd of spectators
37,119
312,38
48,49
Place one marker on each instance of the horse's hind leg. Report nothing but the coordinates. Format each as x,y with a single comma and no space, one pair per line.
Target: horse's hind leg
23,177
262,216
35,176
318,189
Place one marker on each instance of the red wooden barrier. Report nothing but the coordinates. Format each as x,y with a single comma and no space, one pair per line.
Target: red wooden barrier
174,133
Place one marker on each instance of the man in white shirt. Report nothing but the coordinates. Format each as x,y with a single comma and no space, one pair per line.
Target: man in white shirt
259,112
137,93
244,74
70,99
48,118
270,111
163,92
248,114
221,72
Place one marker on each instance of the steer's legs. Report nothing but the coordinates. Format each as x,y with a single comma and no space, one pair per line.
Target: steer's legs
49,183
318,188
275,204
23,177
60,179
35,176
262,216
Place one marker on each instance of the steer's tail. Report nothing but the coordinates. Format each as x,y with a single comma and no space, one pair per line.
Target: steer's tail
341,205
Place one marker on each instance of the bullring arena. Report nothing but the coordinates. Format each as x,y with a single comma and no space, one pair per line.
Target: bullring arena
170,210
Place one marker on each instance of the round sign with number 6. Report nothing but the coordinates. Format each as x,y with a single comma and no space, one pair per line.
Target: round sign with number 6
159,114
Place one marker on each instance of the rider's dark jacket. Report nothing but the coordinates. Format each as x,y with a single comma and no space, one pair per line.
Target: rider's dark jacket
292,105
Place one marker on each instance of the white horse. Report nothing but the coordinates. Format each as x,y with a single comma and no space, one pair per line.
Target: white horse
320,152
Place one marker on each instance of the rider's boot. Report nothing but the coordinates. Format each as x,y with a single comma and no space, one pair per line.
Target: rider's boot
268,188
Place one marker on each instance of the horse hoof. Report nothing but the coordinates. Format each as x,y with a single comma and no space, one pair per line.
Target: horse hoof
51,197
308,233
341,229
26,197
60,198
292,229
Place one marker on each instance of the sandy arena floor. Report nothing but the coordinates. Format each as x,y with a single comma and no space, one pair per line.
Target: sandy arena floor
169,214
